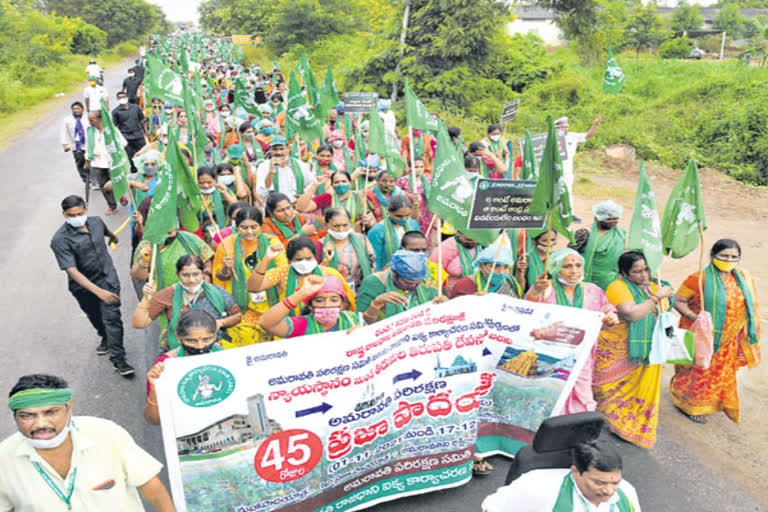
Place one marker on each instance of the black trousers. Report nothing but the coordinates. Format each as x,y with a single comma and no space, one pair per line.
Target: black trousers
101,175
79,157
133,146
107,321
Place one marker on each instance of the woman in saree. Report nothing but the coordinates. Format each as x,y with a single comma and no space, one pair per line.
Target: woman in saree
338,195
386,234
326,310
236,258
501,261
730,297
283,222
567,288
628,389
605,244
537,242
285,279
348,252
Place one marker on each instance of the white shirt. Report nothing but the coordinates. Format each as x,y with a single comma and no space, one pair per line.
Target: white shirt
101,158
572,140
537,491
287,180
110,467
94,95
67,132
390,123
93,70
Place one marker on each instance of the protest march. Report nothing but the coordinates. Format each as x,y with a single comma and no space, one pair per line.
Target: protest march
347,308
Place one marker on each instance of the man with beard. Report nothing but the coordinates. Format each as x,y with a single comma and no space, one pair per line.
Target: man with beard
57,461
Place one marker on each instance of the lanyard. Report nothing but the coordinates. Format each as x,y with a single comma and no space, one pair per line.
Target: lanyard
55,488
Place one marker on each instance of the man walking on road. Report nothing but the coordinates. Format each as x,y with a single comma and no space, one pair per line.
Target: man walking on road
131,86
72,138
58,462
129,119
81,252
97,159
93,94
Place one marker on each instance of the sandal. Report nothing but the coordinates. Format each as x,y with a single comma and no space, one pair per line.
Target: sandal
701,420
481,467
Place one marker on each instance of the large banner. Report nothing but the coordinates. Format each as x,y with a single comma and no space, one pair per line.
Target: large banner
341,421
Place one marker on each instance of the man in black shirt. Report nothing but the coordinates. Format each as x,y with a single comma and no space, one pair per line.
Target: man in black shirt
129,119
131,86
81,252
138,69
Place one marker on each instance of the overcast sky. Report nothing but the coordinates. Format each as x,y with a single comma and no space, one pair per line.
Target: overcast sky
179,10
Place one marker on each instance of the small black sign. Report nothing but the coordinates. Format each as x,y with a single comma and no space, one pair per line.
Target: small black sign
540,141
503,204
509,112
359,102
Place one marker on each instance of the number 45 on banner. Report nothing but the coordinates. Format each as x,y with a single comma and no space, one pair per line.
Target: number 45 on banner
288,455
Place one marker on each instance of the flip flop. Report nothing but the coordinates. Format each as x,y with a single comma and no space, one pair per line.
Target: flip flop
481,467
701,420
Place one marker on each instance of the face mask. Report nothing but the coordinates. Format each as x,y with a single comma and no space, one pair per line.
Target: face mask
326,316
416,133
208,191
77,222
365,133
560,132
248,135
341,189
399,222
164,140
223,94
226,180
209,108
304,267
268,131
195,351
565,282
495,138
47,444
403,286
724,266
542,247
150,170
169,240
339,235
226,114
497,279
92,84
123,101
469,245
337,143
194,289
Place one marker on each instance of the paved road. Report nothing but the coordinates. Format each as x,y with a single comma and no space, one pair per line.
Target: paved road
45,332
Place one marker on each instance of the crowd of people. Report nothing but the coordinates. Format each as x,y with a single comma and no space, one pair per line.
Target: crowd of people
297,238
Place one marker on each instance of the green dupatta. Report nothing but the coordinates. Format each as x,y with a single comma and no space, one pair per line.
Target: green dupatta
239,291
297,175
391,238
211,293
466,259
421,294
358,246
715,301
292,282
562,298
609,246
480,281
346,321
286,230
187,244
640,331
424,184
218,210
352,204
565,503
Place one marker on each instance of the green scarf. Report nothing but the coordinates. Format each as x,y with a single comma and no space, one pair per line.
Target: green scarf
424,184
297,175
562,298
346,321
139,195
218,211
359,247
421,294
465,258
211,293
715,301
564,501
90,146
481,280
292,282
535,263
239,291
608,248
640,331
391,238
418,145
286,230
190,246
352,204
180,351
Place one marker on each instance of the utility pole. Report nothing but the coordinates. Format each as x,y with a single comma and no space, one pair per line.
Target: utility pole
406,16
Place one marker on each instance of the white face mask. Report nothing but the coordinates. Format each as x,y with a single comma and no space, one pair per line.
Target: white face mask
48,444
77,222
193,289
565,282
304,267
208,191
226,180
495,138
338,143
123,101
339,235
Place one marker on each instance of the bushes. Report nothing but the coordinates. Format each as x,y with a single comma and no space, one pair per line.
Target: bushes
88,40
678,48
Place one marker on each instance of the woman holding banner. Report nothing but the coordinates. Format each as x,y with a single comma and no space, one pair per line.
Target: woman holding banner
729,296
565,286
197,332
628,389
492,263
248,251
326,310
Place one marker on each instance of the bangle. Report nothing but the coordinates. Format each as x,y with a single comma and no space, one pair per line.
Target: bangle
259,273
149,400
288,304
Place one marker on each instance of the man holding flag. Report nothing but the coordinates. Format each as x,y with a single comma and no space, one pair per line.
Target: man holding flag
572,141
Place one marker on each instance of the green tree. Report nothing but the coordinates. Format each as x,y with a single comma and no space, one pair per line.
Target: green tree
730,19
678,48
644,28
686,17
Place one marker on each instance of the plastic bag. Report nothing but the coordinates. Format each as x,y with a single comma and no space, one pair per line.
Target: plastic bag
660,339
670,344
703,330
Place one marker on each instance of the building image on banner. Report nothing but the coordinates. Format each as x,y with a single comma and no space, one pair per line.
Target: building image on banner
458,367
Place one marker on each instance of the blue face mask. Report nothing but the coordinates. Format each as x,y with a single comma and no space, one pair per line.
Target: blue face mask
497,279
267,131
399,222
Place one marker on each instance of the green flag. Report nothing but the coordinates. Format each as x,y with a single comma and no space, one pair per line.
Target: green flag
162,82
188,191
245,99
299,115
162,211
119,165
613,79
329,95
529,171
645,228
184,60
380,143
452,190
551,195
682,214
304,71
416,113
197,138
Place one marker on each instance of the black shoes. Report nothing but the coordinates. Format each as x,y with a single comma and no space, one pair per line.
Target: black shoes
123,368
102,349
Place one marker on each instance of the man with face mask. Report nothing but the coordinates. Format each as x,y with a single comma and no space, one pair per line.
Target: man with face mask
129,119
93,94
131,86
605,245
572,141
58,462
81,252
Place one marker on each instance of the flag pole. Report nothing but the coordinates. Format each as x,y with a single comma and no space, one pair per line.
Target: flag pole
152,264
495,258
701,262
439,262
549,249
215,225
